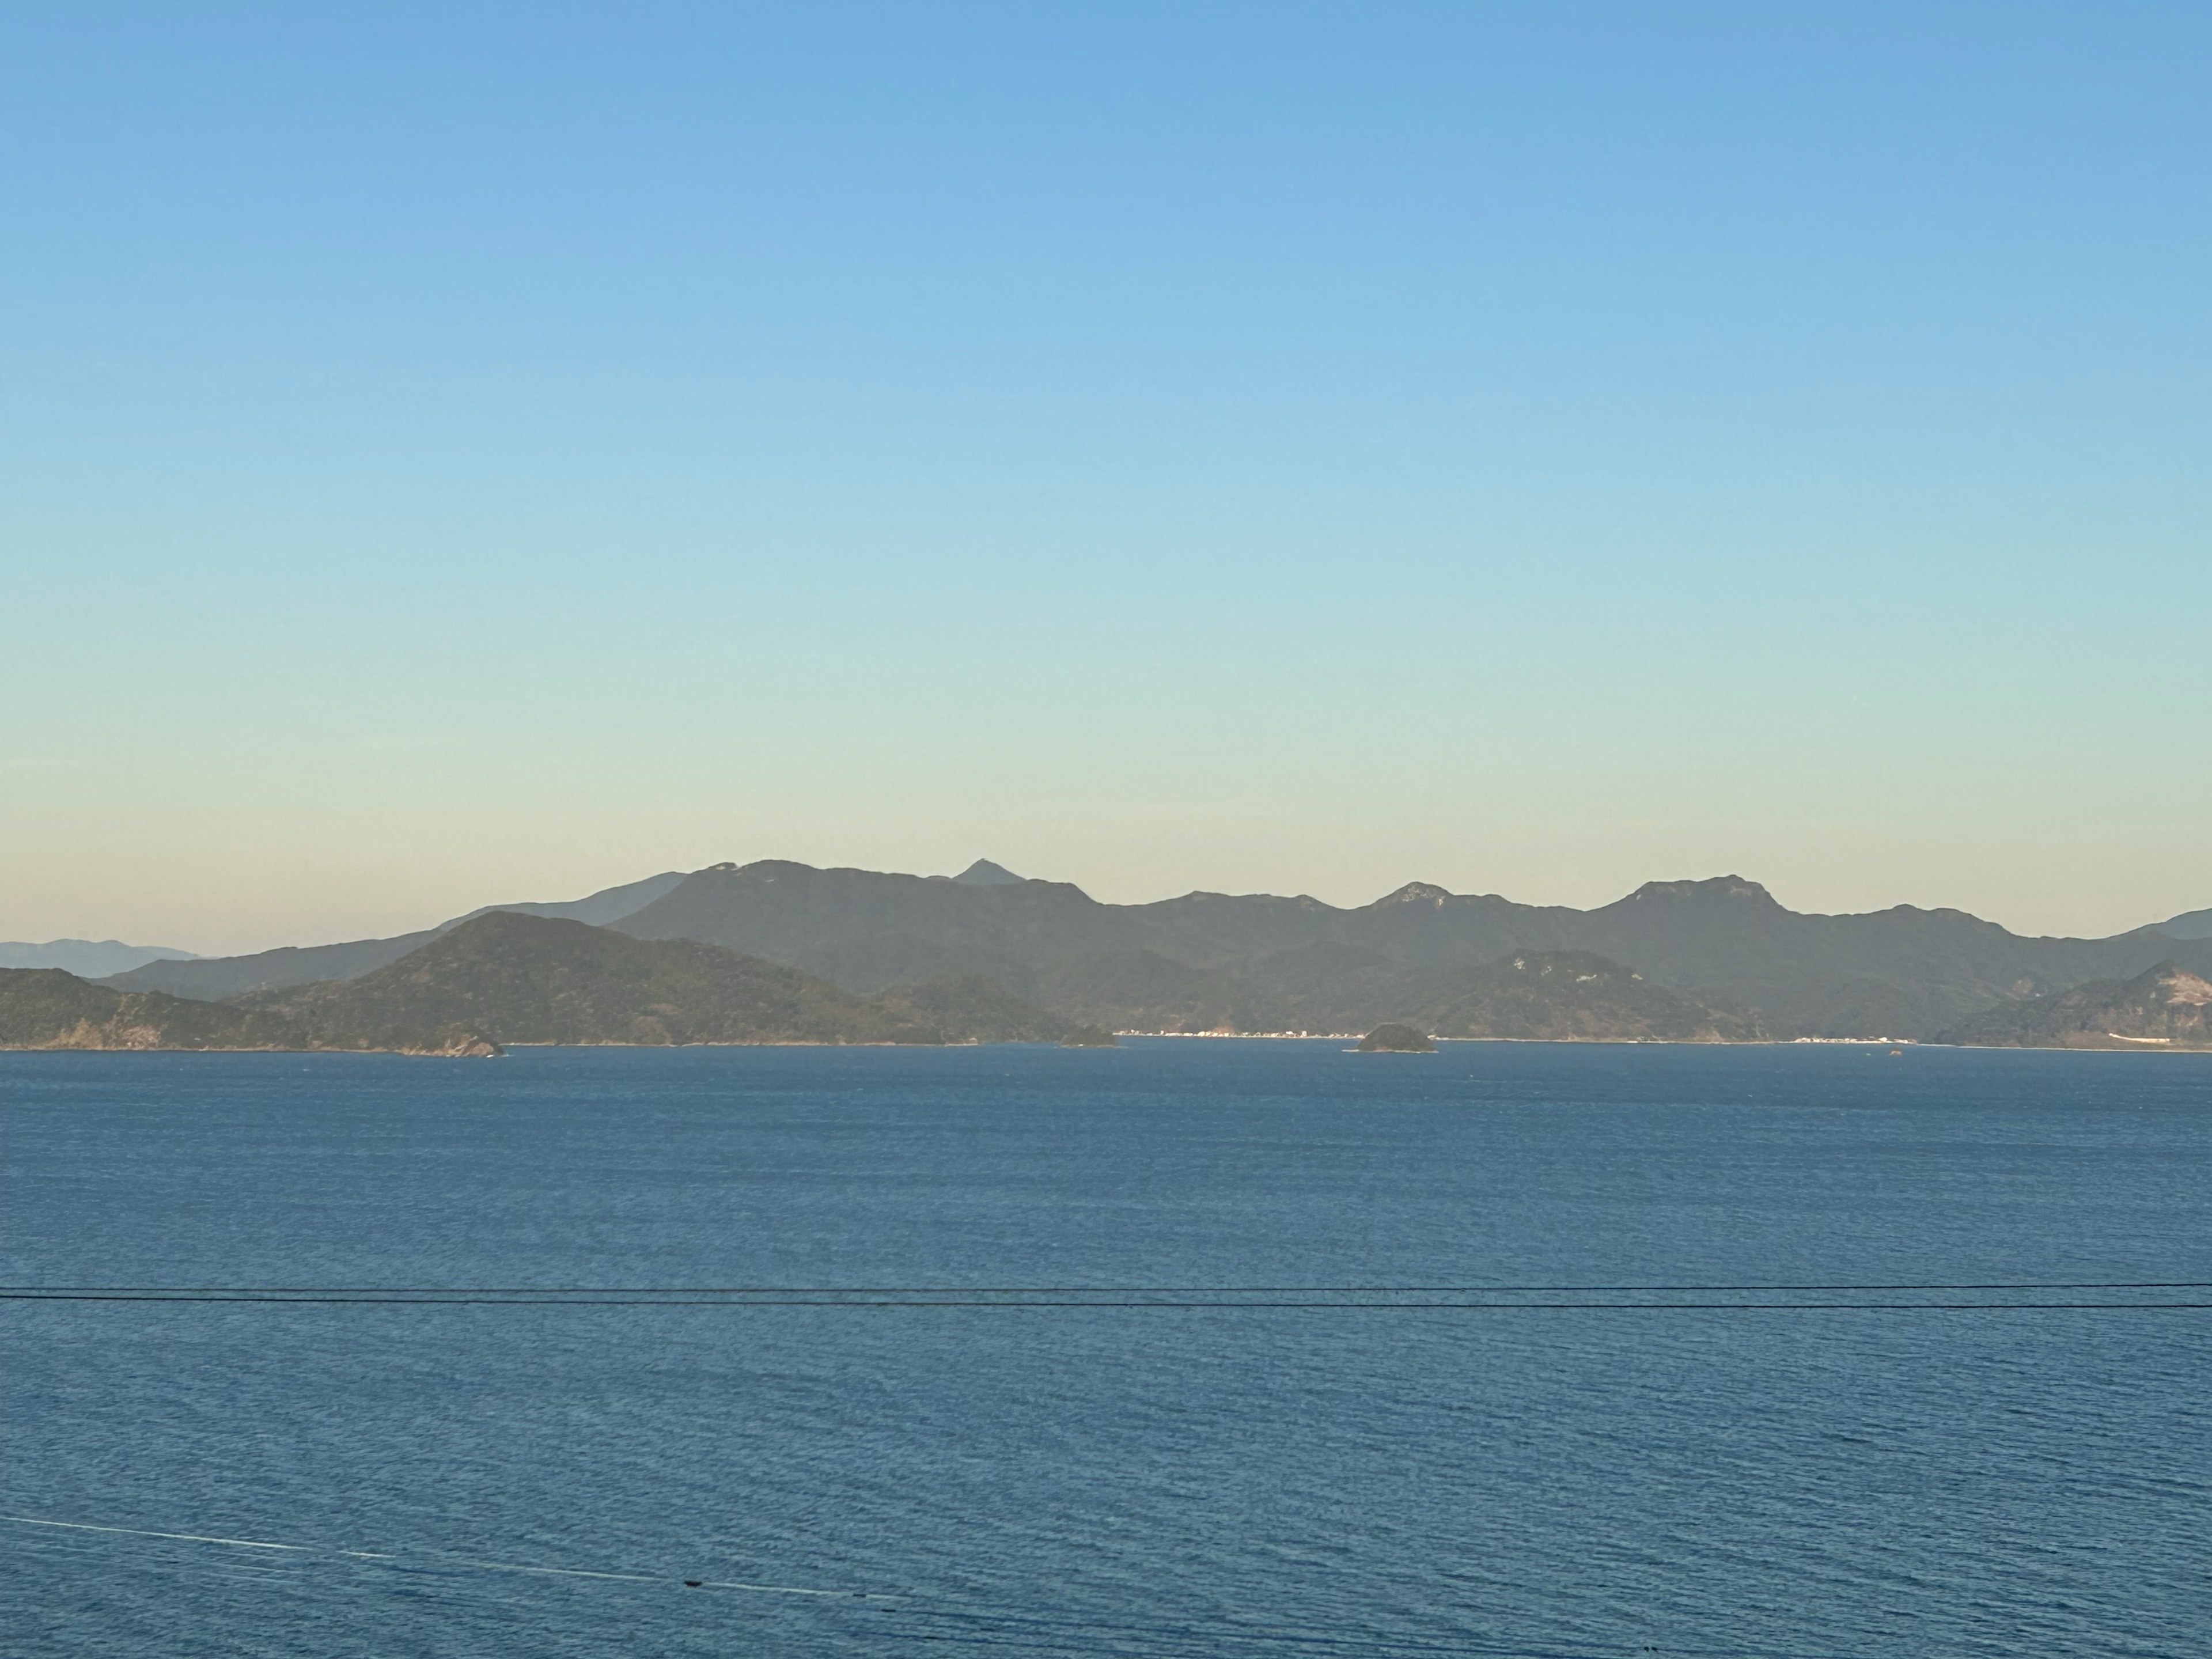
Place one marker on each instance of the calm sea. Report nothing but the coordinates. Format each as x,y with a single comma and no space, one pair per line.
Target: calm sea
1104,1480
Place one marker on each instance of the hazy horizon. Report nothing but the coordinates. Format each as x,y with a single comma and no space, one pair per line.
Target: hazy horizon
456,456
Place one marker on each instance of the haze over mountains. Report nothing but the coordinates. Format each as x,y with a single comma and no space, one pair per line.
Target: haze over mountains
1716,959
88,958
216,977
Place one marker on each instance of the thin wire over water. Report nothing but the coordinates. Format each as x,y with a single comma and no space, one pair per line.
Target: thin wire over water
1402,1298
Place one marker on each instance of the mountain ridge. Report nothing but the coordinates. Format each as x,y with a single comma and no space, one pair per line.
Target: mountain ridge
1203,960
1724,940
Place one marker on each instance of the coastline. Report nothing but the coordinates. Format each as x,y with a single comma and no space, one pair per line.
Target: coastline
2132,1046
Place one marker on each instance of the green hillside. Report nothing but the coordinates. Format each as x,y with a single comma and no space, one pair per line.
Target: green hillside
1572,996
2165,1007
531,979
47,1008
1395,1039
1558,996
508,977
980,1010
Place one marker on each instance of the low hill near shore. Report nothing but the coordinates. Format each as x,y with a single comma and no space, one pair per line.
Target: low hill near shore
1573,996
2165,1007
534,979
48,1008
1396,1039
982,1010
1543,996
506,978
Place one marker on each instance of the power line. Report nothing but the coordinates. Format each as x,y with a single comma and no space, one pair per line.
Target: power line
931,1618
1491,1289
458,1299
443,1559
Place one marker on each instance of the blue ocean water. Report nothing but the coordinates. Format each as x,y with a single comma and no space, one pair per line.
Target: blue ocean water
1104,1480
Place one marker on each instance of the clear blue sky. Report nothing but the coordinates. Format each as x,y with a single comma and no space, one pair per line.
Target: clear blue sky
455,453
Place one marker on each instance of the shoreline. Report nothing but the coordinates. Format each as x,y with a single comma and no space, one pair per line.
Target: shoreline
2132,1046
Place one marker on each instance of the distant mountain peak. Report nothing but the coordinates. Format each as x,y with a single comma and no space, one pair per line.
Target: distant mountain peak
1414,892
984,873
1713,887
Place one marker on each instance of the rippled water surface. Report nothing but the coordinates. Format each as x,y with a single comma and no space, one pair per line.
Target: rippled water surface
1105,1480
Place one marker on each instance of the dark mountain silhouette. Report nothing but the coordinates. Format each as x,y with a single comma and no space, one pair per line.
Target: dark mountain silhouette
786,912
597,910
2165,1007
2194,924
1256,961
1209,961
